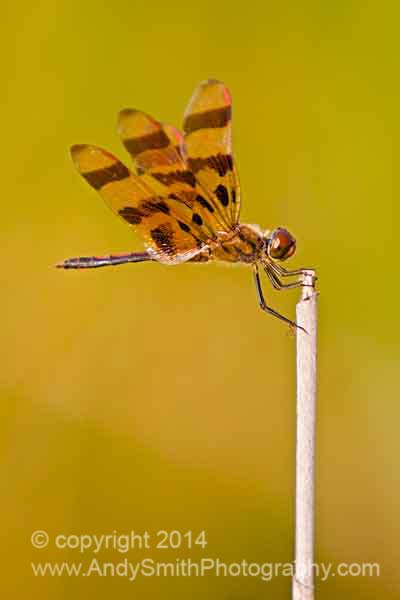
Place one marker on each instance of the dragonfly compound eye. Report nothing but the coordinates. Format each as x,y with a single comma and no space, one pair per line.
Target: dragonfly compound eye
282,244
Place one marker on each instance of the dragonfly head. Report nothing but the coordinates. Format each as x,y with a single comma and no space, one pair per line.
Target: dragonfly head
279,244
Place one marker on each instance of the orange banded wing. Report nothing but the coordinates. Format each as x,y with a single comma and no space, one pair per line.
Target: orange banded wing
156,150
208,145
149,146
171,230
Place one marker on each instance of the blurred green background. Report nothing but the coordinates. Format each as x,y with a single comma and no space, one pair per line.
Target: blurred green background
149,397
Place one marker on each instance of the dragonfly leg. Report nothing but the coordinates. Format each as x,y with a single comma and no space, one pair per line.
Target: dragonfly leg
279,270
93,262
265,307
278,284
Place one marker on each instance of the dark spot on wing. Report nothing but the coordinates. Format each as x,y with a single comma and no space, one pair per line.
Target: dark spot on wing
221,163
134,215
184,227
115,172
196,218
222,194
176,177
209,119
131,214
163,236
204,203
151,141
154,206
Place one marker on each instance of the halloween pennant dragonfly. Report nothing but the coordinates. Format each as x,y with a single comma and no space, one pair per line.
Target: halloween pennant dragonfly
183,195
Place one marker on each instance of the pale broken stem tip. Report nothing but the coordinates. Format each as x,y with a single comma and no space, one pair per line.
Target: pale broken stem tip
308,288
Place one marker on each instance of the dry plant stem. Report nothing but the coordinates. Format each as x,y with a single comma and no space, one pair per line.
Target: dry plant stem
306,316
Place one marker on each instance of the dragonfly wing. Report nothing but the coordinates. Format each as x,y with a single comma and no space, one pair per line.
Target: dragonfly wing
207,126
167,227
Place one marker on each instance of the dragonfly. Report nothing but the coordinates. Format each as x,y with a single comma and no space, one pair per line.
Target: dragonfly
183,195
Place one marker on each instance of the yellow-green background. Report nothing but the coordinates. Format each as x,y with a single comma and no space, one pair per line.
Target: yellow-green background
150,397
